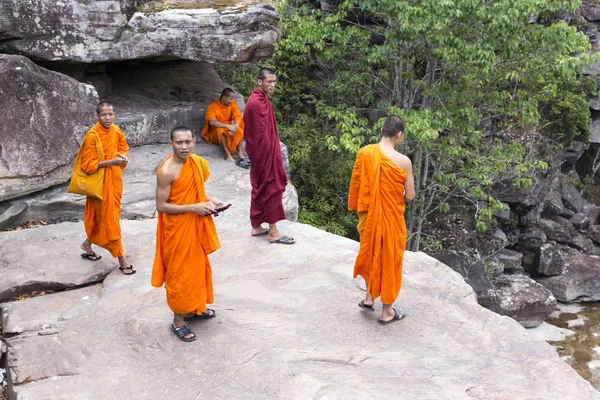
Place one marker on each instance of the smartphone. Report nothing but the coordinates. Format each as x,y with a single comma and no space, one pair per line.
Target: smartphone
222,208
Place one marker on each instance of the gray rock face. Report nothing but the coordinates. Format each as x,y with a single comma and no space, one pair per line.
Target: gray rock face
531,239
154,98
50,112
474,273
580,221
523,299
270,338
100,31
580,242
571,196
553,203
139,190
532,196
550,260
594,233
554,230
511,261
530,216
579,282
591,13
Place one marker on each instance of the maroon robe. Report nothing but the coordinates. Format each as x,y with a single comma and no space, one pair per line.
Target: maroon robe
267,175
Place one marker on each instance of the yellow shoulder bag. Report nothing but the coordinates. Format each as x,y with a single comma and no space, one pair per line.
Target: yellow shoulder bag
90,185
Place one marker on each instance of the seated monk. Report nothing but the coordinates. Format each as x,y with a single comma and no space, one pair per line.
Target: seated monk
224,125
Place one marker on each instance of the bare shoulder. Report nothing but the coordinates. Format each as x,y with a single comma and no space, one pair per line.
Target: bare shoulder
167,173
403,162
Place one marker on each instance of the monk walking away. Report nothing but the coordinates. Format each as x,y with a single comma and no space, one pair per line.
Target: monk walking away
102,218
224,126
267,176
381,182
185,234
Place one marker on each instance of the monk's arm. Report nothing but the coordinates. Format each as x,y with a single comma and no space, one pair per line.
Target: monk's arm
163,190
236,114
409,183
216,124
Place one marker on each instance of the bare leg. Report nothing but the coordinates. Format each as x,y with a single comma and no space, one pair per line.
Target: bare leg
369,300
387,313
240,150
226,153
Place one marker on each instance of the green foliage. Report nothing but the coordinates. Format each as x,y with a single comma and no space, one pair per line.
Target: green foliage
476,81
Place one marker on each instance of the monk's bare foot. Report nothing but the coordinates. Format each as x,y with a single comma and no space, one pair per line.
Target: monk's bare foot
125,267
387,314
258,231
228,157
87,246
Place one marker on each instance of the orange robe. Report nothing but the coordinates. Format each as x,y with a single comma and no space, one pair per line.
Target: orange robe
223,114
102,218
183,242
377,193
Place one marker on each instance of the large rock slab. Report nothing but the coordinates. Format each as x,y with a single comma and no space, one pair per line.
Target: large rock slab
139,190
580,281
99,31
287,327
47,113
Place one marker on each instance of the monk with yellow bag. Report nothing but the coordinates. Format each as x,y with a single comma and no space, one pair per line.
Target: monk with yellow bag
103,152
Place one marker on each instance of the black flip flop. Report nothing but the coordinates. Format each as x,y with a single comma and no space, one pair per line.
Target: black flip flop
398,315
182,331
88,256
243,163
365,306
283,240
123,269
205,315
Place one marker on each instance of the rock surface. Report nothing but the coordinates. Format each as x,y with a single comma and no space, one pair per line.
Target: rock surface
287,327
523,299
580,281
50,113
17,268
100,31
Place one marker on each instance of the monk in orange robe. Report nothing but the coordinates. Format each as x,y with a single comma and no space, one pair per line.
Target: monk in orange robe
224,125
102,217
185,234
381,182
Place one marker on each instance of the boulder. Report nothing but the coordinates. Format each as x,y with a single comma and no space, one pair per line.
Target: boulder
101,31
531,239
592,211
571,196
504,214
553,203
530,216
580,281
523,299
49,114
474,273
591,13
580,242
593,233
550,259
506,192
271,338
580,221
505,261
554,230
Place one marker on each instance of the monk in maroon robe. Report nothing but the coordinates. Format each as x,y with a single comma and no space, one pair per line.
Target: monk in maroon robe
267,175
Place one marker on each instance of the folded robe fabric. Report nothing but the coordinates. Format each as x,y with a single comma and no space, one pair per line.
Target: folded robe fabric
183,242
377,193
102,218
223,114
267,175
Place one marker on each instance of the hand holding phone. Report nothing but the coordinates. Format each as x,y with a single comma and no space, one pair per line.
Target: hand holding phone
222,208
